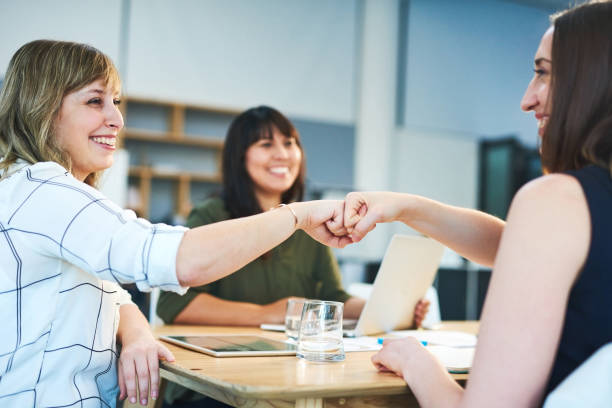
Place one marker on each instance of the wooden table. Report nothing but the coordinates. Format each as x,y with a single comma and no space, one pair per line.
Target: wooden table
288,381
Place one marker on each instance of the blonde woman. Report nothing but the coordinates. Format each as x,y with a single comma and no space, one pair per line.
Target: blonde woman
64,247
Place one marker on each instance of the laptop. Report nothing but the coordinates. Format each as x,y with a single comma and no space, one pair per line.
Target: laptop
408,269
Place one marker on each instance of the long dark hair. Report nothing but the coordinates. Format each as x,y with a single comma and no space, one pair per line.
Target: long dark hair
579,131
247,128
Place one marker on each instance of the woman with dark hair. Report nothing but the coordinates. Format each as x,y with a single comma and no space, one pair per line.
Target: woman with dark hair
64,247
244,185
263,166
549,304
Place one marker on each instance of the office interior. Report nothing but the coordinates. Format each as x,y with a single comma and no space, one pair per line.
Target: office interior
418,96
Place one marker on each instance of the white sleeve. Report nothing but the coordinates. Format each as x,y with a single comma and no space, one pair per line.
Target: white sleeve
58,216
124,297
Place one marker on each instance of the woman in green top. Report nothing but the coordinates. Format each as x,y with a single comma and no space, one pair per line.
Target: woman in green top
263,166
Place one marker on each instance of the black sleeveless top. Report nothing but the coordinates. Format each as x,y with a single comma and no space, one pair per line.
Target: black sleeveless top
588,319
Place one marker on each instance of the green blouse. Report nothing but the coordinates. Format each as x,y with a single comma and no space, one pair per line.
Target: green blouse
300,266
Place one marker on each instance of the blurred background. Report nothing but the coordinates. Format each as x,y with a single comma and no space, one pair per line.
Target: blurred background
417,96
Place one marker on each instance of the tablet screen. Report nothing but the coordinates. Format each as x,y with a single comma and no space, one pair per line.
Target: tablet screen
233,345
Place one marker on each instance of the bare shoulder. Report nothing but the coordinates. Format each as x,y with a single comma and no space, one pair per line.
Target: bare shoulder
553,208
553,186
556,194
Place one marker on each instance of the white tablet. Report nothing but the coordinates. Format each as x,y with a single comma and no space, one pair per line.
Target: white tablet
233,345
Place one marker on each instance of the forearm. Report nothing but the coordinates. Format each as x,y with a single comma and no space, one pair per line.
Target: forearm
353,307
131,322
472,234
436,389
212,251
211,310
431,383
428,379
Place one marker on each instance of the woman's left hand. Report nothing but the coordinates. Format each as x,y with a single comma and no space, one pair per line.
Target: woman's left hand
139,366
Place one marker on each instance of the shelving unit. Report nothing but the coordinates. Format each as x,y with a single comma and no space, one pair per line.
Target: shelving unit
176,143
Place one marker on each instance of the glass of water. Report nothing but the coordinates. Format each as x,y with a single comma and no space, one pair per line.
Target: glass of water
320,335
293,317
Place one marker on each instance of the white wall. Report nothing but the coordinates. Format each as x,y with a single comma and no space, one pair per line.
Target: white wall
468,65
85,21
298,56
441,167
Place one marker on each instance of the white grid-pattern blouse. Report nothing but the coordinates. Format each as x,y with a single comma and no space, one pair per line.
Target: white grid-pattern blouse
64,248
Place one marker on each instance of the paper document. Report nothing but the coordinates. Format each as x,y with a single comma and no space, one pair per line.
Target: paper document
363,343
438,337
272,327
456,360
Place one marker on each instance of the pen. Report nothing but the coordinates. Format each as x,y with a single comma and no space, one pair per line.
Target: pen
381,340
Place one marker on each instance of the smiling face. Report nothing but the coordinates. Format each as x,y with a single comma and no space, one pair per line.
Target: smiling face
86,128
536,96
273,166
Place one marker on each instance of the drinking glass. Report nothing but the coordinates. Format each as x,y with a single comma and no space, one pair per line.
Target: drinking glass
320,335
293,317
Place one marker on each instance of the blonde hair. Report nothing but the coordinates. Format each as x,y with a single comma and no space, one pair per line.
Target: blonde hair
38,77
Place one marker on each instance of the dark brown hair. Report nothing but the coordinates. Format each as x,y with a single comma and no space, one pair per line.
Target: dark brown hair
247,128
579,131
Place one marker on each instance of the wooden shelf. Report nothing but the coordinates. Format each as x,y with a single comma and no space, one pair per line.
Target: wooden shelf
208,108
171,138
151,172
174,116
183,181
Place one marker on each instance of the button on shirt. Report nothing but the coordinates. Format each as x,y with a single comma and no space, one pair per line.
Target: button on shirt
64,248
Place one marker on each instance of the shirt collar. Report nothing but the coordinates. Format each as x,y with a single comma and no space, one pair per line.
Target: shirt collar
14,168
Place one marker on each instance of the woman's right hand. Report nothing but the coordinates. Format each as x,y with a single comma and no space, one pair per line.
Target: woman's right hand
323,220
363,210
420,312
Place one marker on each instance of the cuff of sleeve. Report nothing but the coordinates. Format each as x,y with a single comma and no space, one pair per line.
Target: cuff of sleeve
337,296
124,297
343,297
160,270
